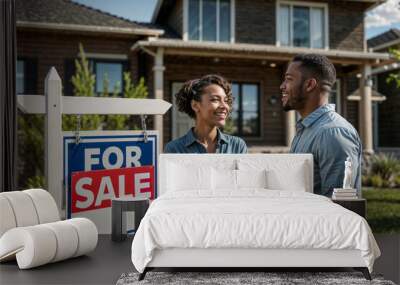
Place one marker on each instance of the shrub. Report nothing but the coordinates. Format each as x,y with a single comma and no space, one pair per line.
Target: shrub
38,181
381,170
366,180
397,181
387,166
376,181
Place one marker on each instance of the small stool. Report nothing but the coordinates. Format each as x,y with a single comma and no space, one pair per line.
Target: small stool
119,207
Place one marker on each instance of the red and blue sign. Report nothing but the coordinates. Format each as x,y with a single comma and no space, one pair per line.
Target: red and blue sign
106,165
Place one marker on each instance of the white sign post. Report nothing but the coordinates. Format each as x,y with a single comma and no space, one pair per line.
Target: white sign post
53,105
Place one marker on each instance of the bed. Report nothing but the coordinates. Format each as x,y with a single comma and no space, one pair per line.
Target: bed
247,210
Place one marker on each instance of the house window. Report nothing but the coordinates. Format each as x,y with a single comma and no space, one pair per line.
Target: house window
245,115
26,76
209,20
20,77
102,68
301,25
112,71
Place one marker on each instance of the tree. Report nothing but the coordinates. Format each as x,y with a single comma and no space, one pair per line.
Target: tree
395,77
83,81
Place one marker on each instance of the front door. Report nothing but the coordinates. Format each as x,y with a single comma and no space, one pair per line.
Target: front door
181,122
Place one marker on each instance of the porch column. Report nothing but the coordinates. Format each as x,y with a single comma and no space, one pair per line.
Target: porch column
158,70
290,126
365,109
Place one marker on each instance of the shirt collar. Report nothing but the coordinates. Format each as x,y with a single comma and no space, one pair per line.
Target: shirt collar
316,114
190,137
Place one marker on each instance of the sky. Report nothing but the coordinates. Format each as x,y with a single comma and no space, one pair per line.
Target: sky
378,20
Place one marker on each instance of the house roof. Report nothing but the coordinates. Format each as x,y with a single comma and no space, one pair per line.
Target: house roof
241,50
385,39
68,15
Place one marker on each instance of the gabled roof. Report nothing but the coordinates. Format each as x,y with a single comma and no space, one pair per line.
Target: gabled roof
385,39
68,15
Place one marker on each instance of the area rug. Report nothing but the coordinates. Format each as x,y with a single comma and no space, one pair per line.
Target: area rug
243,278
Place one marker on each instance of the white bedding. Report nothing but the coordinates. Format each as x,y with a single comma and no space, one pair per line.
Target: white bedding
251,218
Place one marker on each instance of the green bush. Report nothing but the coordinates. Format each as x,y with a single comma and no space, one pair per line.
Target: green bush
37,181
376,181
397,181
385,165
366,180
381,170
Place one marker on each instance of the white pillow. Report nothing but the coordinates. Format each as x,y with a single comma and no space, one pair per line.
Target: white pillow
293,179
251,178
224,179
187,177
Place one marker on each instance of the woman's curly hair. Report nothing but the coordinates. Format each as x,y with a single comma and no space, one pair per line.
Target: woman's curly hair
193,89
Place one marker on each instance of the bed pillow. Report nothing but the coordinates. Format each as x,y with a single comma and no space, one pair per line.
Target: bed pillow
291,180
188,177
224,179
251,178
282,173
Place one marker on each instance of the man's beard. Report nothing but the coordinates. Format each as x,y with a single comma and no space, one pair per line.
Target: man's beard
296,102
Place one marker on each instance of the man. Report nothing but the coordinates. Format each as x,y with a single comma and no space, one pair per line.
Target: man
321,131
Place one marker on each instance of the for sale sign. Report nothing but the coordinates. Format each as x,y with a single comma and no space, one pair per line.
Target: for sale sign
93,190
103,165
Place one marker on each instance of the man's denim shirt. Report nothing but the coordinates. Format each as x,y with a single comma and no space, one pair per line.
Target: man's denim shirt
331,139
189,144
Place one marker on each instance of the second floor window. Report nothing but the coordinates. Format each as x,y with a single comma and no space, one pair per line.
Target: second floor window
302,26
209,20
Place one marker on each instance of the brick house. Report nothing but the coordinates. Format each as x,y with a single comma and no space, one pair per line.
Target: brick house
248,42
387,113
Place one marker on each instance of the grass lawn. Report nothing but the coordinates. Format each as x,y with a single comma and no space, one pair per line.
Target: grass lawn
383,209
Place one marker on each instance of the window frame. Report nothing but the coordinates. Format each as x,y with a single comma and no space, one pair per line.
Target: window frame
310,5
240,111
94,61
186,21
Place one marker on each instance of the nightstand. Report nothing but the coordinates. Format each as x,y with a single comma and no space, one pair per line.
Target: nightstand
358,206
119,207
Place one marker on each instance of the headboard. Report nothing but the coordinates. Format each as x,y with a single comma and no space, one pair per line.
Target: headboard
288,166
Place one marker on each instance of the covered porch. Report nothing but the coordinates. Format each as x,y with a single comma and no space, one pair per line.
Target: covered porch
260,67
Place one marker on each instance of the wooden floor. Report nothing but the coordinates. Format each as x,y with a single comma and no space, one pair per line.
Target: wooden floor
110,259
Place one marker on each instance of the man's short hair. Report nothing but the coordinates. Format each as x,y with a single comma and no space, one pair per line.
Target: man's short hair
319,67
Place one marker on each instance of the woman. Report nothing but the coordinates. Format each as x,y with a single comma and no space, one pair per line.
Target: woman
208,101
